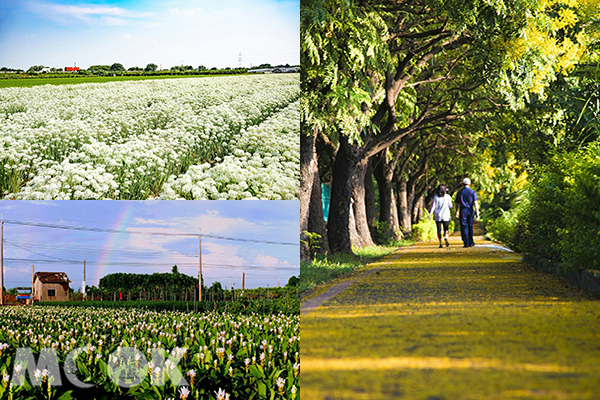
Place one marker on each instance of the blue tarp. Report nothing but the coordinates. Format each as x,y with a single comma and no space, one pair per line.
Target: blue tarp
325,199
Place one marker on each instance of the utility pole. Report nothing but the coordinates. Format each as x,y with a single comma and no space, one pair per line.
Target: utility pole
32,292
240,60
2,261
200,266
83,286
229,284
243,281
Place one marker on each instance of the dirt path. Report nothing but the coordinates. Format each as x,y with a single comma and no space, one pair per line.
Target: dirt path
453,323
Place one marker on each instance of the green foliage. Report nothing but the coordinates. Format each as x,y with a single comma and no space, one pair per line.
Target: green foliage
451,226
314,241
567,120
425,230
174,281
293,282
383,234
343,47
248,304
545,216
559,217
503,228
117,67
580,237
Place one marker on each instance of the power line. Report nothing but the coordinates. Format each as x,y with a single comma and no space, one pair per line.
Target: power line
89,250
39,254
96,250
130,232
85,251
143,265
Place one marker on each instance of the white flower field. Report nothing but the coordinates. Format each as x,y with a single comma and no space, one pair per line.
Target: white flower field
234,137
218,355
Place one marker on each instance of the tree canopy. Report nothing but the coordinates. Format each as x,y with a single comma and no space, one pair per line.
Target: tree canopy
174,281
405,89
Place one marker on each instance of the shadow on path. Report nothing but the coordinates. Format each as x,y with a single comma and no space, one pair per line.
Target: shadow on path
451,323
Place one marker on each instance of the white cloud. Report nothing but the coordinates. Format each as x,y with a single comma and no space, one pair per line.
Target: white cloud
224,255
151,221
266,261
210,223
109,16
189,12
112,21
43,203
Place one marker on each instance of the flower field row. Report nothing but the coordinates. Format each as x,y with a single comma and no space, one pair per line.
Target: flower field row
220,356
125,140
263,164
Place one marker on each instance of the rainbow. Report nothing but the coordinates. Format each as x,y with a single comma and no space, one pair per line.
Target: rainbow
122,220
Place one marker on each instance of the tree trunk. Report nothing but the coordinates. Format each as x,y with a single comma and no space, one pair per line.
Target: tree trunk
370,201
418,209
410,200
388,213
359,207
404,214
338,226
355,238
395,221
307,171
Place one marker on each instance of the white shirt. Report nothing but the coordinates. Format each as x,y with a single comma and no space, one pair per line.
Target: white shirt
441,208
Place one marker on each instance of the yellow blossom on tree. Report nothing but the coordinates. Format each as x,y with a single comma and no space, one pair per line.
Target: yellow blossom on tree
557,37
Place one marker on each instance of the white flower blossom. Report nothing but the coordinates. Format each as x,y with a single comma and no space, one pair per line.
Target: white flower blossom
116,140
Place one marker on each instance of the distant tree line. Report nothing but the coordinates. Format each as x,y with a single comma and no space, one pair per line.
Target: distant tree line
174,286
117,69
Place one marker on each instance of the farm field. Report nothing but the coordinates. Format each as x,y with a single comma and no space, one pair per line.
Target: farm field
220,355
234,137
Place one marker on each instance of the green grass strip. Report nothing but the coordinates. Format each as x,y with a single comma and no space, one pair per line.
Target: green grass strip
30,82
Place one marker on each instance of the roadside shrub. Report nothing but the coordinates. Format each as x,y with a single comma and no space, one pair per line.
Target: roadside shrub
425,230
508,227
559,218
545,216
451,226
313,242
385,235
580,235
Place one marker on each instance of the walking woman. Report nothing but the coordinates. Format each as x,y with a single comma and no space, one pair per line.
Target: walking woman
440,209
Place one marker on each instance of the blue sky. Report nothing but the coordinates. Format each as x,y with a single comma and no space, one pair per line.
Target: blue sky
223,260
59,33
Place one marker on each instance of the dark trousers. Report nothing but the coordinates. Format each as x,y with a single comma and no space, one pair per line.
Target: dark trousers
466,227
440,225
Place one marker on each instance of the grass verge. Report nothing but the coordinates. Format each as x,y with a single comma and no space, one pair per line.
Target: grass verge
325,268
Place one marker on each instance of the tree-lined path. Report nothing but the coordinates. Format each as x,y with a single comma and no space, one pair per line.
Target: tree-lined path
452,323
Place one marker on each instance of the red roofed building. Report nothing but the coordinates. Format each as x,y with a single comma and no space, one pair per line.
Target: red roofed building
51,286
71,69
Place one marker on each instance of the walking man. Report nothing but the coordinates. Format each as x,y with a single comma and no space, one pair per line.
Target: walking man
467,211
